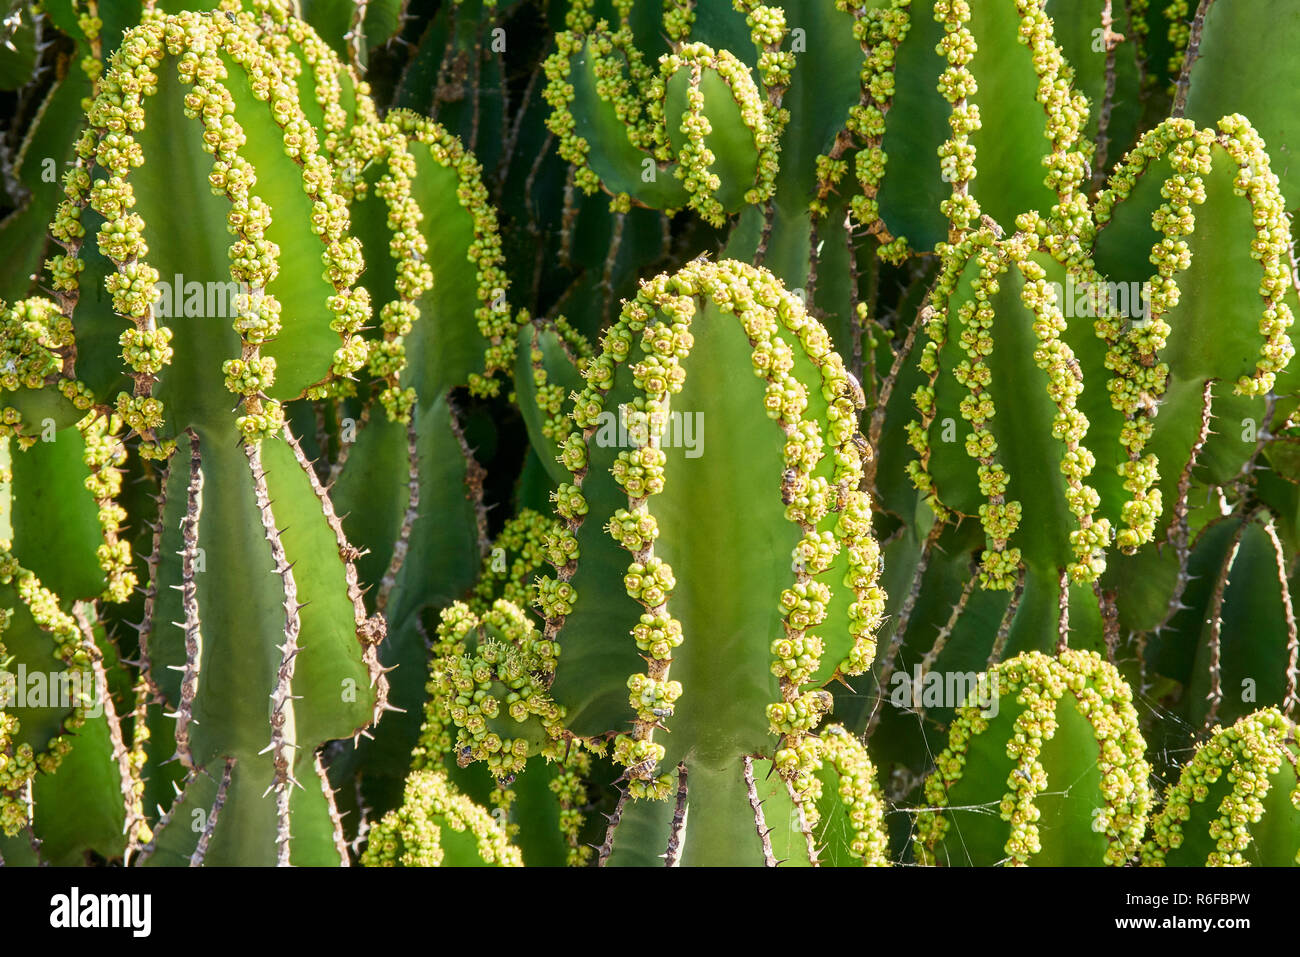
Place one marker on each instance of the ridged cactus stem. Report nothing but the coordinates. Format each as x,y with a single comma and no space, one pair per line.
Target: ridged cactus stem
715,780
192,627
1215,619
760,823
611,259
804,824
1178,533
945,633
128,768
336,819
1141,379
1063,611
165,815
139,753
1190,54
403,543
146,626
346,446
1106,601
1111,40
1065,111
677,827
475,475
889,661
885,390
1291,696
370,629
974,345
213,815
613,819
1263,435
1008,618
355,36
280,747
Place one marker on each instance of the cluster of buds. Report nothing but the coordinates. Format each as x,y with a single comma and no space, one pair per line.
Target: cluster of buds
1246,768
492,674
1035,688
411,835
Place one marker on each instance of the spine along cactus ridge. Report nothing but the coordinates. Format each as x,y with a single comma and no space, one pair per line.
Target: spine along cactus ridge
593,433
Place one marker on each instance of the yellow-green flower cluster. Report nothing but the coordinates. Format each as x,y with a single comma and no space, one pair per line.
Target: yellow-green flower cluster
559,94
517,554
639,99
621,80
1178,15
1067,115
266,423
549,398
505,674
768,29
142,413
1038,686
17,768
679,17
1272,247
249,376
34,336
570,789
934,319
1248,760
858,794
1091,539
146,351
880,31
91,26
411,835
18,765
957,84
288,40
1000,518
105,455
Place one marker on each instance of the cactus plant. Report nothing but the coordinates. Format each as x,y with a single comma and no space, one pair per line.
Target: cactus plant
1244,774
582,432
1069,733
